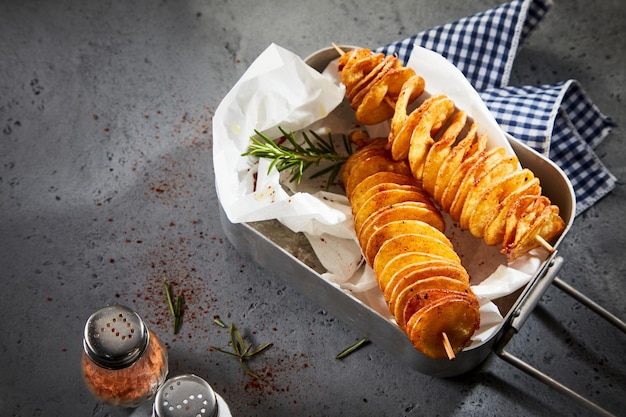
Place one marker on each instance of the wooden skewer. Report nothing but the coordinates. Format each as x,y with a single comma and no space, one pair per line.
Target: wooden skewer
544,244
390,102
448,347
338,49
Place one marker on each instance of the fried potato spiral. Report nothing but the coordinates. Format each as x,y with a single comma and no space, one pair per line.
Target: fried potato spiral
401,234
480,188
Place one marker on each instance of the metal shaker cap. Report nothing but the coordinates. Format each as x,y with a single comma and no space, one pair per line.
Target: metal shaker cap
185,396
115,337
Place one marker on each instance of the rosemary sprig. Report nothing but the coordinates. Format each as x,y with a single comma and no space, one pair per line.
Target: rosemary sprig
242,352
350,349
175,310
299,158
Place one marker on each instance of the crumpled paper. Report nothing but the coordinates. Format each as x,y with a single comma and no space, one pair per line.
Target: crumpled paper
279,89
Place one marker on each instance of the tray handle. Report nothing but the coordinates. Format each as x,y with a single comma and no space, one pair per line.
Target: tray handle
523,311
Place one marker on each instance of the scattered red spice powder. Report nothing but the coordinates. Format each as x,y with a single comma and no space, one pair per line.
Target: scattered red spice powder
166,256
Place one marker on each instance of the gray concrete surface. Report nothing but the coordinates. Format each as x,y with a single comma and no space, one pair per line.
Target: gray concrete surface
106,189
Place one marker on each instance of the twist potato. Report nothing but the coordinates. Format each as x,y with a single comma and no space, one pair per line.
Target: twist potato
401,234
450,158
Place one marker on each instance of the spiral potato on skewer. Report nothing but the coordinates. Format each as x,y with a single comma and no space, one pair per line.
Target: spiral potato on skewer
480,188
401,233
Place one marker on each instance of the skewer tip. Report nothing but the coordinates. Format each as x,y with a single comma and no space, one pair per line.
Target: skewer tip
390,102
544,244
338,49
448,347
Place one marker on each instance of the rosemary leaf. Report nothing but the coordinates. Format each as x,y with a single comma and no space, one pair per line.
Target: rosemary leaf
246,352
246,368
260,349
219,322
347,144
297,158
334,173
234,340
350,349
292,139
175,310
326,170
307,140
239,340
225,351
179,313
240,350
169,297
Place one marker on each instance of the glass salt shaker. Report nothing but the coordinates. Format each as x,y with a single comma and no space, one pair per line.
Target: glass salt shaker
188,396
123,362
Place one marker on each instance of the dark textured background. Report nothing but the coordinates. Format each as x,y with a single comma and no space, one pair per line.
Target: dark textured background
106,188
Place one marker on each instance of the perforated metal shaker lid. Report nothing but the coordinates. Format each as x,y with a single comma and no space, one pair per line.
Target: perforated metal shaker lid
185,396
115,337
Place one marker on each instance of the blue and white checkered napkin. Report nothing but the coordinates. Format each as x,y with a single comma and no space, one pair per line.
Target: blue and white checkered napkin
559,121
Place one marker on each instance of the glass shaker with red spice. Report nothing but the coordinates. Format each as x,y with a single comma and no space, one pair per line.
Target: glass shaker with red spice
123,362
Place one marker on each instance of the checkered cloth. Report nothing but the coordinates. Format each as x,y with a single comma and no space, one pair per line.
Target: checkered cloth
559,121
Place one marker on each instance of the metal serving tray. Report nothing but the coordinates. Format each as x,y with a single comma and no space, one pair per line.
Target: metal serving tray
290,257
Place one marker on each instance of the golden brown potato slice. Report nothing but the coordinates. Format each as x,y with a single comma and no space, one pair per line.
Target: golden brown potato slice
390,63
380,178
441,149
396,80
431,121
453,186
418,299
402,261
479,169
504,167
379,236
411,243
360,139
372,165
452,161
357,200
423,123
359,62
548,225
402,267
456,315
410,274
411,89
374,147
361,73
409,210
353,55
494,231
385,199
378,104
521,215
479,145
355,65
490,205
355,96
